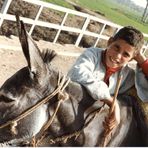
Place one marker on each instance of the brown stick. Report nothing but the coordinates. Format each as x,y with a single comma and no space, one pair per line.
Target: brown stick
107,132
116,92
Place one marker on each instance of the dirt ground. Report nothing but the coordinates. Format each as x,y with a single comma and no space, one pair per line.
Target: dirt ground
25,9
12,58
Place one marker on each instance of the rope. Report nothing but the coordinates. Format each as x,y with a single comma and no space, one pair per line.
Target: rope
42,134
61,98
33,108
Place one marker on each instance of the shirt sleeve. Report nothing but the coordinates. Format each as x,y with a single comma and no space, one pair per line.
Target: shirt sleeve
141,83
82,72
144,67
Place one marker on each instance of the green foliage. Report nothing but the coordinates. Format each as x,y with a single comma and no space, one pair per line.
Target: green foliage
60,2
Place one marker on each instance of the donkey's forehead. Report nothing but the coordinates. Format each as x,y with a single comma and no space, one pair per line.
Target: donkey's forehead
19,79
19,86
7,96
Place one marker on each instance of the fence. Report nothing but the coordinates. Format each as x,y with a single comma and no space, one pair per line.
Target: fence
61,27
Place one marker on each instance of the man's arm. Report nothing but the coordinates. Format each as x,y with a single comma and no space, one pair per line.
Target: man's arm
142,76
82,72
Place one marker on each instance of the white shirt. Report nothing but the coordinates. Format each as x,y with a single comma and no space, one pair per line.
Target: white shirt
89,71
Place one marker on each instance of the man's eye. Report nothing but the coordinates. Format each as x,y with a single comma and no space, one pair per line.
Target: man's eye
116,49
126,55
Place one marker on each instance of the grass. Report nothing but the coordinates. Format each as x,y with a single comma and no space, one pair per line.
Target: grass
60,2
114,12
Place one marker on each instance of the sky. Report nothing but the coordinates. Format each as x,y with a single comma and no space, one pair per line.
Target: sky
140,2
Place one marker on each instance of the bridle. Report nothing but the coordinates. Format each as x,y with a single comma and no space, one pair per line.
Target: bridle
62,83
37,139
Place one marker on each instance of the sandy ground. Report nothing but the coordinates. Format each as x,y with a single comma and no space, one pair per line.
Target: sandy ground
12,58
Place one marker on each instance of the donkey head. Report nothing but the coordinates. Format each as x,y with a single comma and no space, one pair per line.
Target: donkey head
26,87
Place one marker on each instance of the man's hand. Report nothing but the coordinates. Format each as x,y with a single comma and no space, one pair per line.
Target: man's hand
113,119
140,57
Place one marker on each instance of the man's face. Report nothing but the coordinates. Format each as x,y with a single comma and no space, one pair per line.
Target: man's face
118,53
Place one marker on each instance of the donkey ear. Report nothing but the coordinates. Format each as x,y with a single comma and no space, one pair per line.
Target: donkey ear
30,50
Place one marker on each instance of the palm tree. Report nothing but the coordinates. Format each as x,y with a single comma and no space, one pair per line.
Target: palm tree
144,13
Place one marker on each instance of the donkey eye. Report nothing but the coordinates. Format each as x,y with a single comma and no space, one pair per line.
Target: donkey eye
5,99
33,74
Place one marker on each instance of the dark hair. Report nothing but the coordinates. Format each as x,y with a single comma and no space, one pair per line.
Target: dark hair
131,35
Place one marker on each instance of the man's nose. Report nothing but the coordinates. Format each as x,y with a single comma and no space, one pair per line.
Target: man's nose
119,56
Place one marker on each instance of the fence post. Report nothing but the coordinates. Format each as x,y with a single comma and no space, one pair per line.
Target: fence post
99,36
58,33
4,10
36,18
83,30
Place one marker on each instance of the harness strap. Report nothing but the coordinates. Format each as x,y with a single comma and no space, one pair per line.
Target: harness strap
61,97
77,133
33,108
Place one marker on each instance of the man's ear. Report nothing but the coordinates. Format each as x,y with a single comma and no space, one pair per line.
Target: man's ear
110,41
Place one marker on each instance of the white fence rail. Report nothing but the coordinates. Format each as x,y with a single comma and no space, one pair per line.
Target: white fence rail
61,27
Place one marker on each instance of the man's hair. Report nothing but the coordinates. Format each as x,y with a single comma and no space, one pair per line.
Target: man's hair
131,35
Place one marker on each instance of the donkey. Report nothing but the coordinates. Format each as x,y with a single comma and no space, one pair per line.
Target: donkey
36,109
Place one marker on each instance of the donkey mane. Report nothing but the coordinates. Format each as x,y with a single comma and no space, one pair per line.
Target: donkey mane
48,55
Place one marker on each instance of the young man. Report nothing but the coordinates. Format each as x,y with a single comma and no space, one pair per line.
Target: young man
98,69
